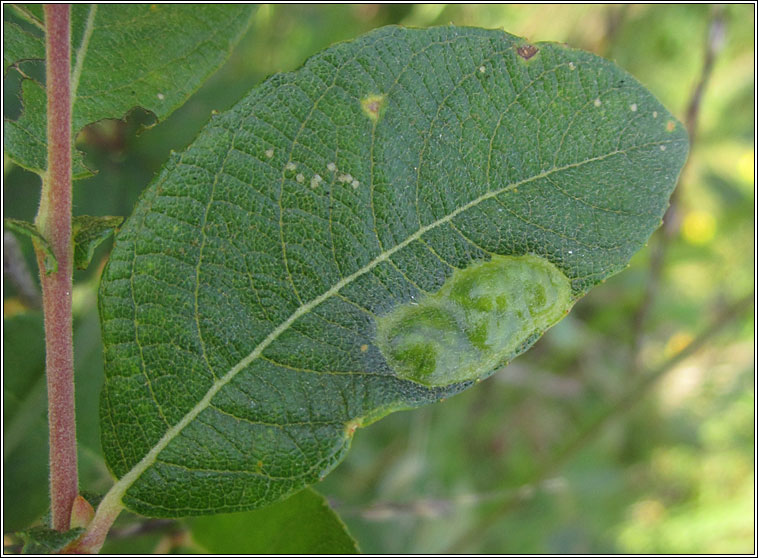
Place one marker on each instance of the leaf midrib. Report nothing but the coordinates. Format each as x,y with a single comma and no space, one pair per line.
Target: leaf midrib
119,488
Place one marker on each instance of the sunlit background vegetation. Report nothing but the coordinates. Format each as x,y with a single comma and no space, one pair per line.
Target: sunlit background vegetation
540,458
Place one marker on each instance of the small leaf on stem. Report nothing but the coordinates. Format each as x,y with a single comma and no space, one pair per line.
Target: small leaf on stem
30,230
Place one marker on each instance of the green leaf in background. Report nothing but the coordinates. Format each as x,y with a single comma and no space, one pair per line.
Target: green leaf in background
19,45
301,524
88,233
240,302
30,229
126,55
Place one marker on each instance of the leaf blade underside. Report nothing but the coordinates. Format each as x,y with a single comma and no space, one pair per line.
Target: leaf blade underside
239,303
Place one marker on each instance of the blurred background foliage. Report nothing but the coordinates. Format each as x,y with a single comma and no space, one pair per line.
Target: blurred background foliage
539,458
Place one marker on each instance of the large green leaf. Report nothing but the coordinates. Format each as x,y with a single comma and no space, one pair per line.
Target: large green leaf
302,524
240,302
122,56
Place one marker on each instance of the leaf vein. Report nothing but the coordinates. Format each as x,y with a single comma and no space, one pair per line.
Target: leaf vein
81,52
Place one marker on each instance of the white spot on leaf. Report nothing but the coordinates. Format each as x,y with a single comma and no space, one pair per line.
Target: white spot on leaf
598,102
269,153
290,166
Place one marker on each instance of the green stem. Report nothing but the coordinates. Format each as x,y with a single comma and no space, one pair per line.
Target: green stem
54,223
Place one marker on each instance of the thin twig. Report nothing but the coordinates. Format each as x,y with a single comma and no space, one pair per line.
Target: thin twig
439,507
597,425
671,220
615,15
145,527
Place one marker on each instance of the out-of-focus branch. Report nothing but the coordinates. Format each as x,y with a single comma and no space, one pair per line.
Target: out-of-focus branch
672,220
432,508
145,527
615,15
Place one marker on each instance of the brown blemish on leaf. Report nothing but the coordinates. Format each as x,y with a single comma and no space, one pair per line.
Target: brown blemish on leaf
351,427
372,106
527,51
364,348
670,125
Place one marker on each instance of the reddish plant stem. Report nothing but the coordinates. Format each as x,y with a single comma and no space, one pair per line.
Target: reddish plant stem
54,222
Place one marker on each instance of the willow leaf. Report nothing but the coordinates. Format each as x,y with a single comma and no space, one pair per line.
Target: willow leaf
240,303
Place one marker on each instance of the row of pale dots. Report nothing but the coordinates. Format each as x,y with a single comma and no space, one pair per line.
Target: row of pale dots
633,107
344,178
598,102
